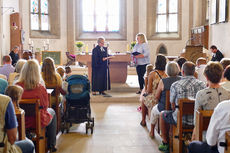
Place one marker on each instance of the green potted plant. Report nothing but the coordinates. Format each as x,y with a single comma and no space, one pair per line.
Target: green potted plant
133,43
79,45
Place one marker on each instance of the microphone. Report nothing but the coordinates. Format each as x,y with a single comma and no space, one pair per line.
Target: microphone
186,44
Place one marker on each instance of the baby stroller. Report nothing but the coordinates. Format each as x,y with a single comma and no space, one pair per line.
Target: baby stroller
78,103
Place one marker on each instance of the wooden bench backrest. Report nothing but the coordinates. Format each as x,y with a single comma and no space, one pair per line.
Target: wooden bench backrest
202,121
186,107
167,100
32,109
227,136
57,111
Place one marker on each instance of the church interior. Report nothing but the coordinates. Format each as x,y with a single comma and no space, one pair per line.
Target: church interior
68,32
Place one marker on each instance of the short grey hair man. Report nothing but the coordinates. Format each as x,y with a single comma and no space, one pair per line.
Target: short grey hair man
100,39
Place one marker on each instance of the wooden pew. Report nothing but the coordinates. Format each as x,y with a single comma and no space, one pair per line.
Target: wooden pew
186,107
227,136
32,109
226,144
167,100
167,107
56,94
20,114
202,121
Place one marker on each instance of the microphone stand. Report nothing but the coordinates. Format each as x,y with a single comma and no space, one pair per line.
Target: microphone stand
107,72
186,44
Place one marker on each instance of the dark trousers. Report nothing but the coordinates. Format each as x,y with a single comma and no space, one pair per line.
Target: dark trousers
141,69
198,146
51,129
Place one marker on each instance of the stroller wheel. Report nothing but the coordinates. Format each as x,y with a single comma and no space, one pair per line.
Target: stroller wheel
87,126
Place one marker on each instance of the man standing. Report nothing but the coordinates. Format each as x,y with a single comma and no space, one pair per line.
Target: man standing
14,55
100,68
7,68
217,55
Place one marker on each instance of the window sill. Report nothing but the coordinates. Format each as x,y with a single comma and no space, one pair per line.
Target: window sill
43,34
165,36
108,36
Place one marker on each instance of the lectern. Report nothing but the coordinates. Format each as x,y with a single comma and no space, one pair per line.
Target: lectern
192,53
118,66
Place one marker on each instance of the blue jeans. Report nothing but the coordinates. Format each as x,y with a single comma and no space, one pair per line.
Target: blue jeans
198,146
26,146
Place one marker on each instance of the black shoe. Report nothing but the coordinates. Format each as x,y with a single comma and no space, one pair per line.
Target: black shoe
53,149
138,92
143,124
103,93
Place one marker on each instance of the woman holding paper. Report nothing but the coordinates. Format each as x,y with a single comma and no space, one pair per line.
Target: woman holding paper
141,58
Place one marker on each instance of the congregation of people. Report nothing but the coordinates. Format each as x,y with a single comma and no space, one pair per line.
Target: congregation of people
206,82
26,79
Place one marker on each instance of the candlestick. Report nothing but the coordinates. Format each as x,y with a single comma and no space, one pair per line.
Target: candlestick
47,41
29,42
32,44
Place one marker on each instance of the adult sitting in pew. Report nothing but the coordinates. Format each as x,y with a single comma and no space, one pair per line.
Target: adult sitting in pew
226,78
7,68
180,61
225,62
187,87
13,77
51,78
29,80
153,80
3,85
218,125
172,70
208,98
200,66
8,129
217,55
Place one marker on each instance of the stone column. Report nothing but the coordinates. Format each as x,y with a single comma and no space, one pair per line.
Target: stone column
199,12
135,18
70,25
1,33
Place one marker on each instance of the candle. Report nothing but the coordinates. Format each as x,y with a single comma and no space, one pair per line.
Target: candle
128,47
44,43
29,41
86,49
32,44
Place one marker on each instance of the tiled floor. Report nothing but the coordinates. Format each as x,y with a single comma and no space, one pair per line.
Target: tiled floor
117,130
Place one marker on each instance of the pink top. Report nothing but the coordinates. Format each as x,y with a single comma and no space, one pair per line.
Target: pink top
38,93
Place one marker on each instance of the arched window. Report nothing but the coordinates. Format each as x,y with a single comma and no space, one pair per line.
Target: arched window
39,15
167,16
